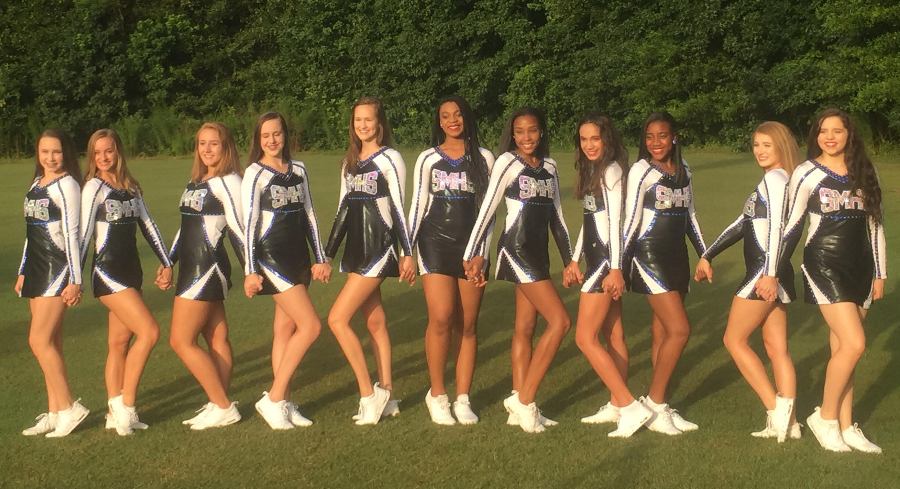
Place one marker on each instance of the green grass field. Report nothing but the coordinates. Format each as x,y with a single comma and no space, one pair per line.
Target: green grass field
410,451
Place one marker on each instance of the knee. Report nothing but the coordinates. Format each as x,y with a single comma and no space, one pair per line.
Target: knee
376,324
469,329
336,323
150,336
854,347
524,329
119,344
585,340
732,343
39,345
313,330
679,334
560,325
439,325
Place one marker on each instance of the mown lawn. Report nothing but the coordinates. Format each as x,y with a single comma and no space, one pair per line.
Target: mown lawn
409,451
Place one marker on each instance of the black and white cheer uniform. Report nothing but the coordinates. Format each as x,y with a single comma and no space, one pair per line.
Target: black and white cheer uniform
209,210
370,215
443,211
112,217
845,247
600,238
279,221
659,211
51,257
532,206
760,225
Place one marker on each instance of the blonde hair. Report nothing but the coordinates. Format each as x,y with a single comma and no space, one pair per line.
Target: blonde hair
784,141
227,165
119,170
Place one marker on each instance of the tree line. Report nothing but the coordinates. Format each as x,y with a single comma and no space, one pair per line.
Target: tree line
154,70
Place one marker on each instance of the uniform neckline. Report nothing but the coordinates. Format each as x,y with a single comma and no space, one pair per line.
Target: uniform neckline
448,159
837,176
51,182
533,168
287,172
362,163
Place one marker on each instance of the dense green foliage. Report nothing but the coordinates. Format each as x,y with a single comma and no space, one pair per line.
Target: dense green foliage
155,69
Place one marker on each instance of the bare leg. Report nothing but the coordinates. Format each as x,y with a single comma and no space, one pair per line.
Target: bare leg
774,333
526,319
658,333
189,318
46,327
440,297
847,346
743,319
118,343
668,307
295,303
129,308
470,300
216,335
282,330
355,292
614,336
593,309
376,322
543,297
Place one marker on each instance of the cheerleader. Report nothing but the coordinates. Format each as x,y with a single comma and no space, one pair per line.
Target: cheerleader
844,262
659,211
210,209
279,220
50,274
769,283
111,211
370,215
527,179
448,185
600,156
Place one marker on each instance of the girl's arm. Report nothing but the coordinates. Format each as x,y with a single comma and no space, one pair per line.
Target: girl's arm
504,170
151,233
339,226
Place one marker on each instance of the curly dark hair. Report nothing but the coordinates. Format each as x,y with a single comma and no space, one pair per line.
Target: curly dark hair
473,156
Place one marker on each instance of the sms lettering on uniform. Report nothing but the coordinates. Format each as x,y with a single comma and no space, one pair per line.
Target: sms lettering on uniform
194,198
442,180
38,209
282,196
118,209
532,187
667,198
833,200
363,182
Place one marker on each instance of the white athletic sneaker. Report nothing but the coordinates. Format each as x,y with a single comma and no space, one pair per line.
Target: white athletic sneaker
296,418
275,413
631,418
217,417
68,419
371,407
827,432
661,421
781,416
769,432
855,439
200,413
391,409
463,410
606,414
528,416
46,422
681,423
513,418
439,409
119,416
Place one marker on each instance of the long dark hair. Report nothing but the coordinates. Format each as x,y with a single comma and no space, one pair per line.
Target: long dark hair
385,136
473,157
70,156
644,153
256,151
859,167
590,173
507,143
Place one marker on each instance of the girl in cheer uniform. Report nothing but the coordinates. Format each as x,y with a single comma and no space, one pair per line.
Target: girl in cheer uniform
449,183
659,211
600,156
769,283
210,209
844,263
279,220
111,212
527,179
50,274
370,215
